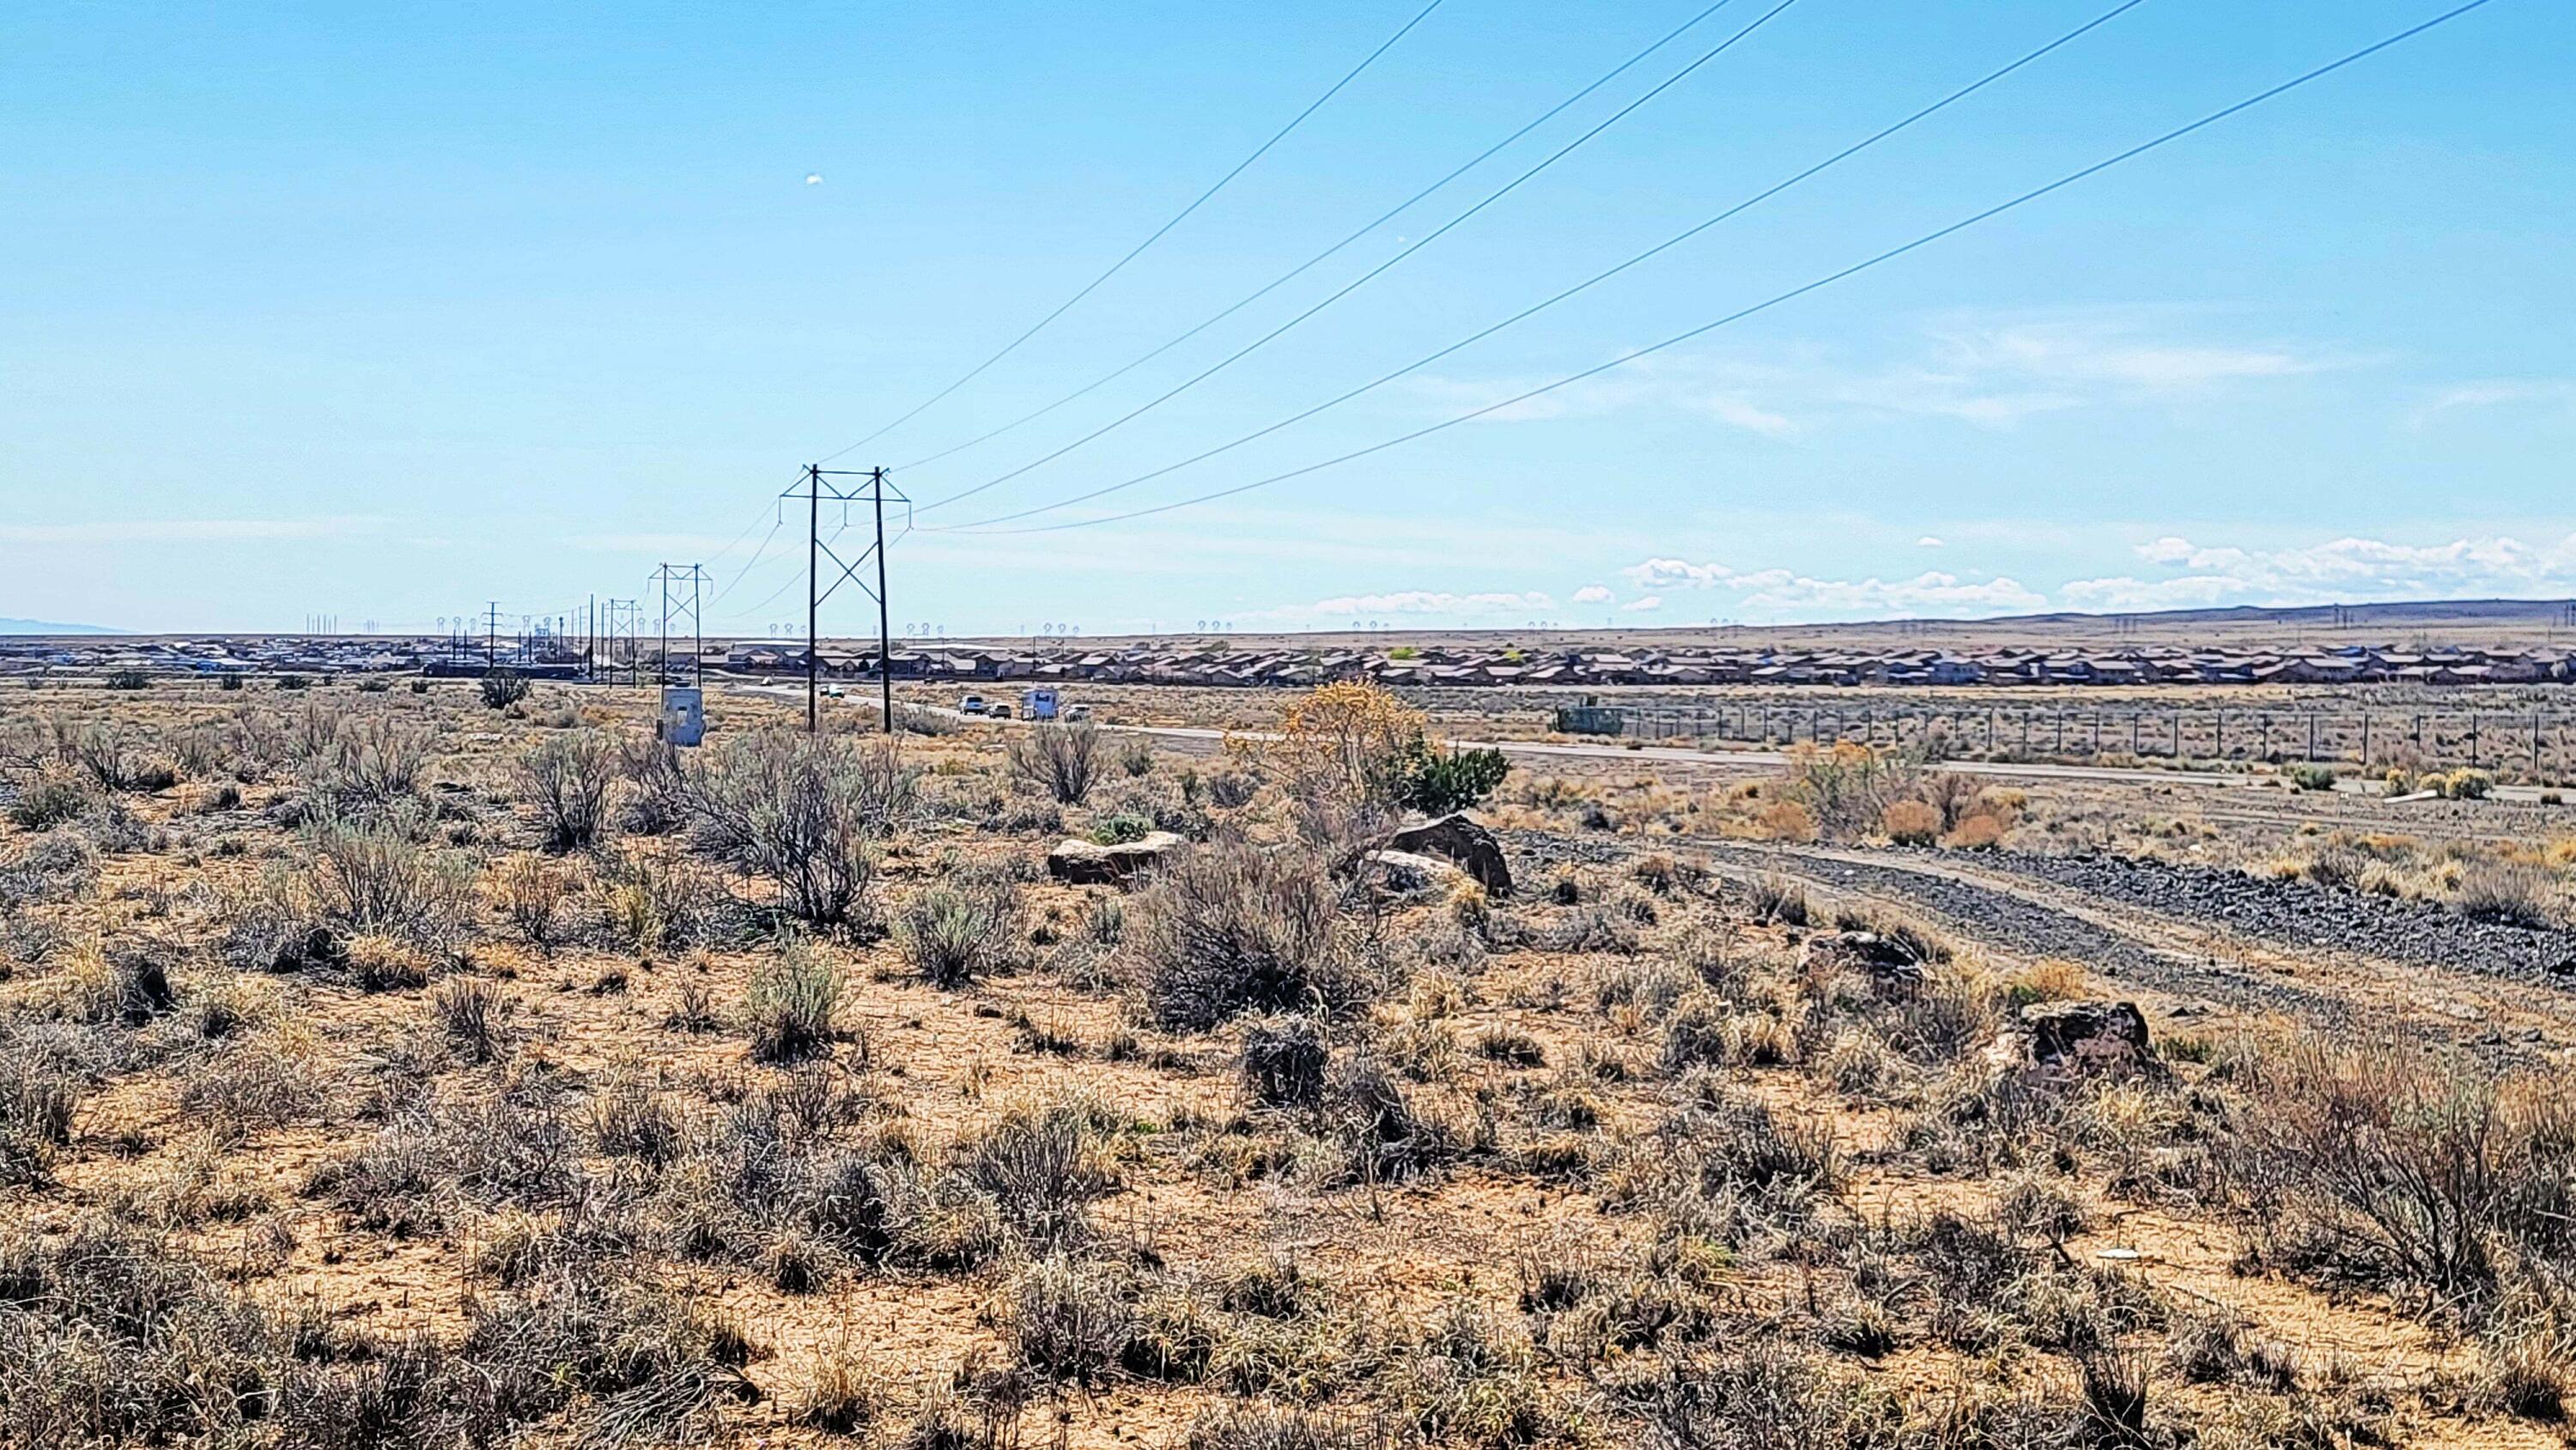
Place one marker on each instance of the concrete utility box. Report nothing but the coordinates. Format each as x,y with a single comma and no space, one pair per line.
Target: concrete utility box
684,715
1038,704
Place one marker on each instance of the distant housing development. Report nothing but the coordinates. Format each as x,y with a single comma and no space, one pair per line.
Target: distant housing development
1426,666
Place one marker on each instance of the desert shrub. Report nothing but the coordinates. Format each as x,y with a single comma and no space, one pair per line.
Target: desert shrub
503,688
565,782
1233,789
2517,893
477,1017
110,1337
1119,828
1911,822
793,1000
531,893
955,931
128,680
115,758
1351,742
376,876
2310,776
1229,928
1977,832
1779,899
2376,1163
1846,789
657,798
1785,821
356,765
1136,757
2466,785
38,1093
48,801
652,901
1284,1061
1061,759
1040,1166
804,813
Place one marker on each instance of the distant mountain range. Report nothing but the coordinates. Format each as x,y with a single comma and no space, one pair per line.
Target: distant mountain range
41,626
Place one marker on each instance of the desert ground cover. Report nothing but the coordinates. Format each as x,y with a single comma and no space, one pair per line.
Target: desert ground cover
395,1067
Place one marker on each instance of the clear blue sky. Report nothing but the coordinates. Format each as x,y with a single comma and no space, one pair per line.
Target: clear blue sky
390,311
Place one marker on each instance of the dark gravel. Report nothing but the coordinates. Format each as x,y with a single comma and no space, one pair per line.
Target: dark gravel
2028,928
2304,914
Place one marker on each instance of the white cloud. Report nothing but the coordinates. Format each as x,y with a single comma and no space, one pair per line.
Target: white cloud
1592,594
813,178
185,531
1927,542
2336,570
1785,592
2497,393
1676,574
1417,601
1641,606
1990,371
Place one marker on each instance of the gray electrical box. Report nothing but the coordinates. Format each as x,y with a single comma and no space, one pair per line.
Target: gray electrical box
684,715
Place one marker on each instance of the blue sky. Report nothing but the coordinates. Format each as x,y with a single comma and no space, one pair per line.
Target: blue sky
391,311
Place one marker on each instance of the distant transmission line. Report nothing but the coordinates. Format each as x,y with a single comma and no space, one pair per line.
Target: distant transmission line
1133,253
1373,273
1381,219
1827,280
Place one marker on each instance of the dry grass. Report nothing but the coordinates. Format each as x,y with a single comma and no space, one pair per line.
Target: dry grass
336,1109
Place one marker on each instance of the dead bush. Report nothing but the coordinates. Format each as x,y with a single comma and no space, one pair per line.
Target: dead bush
38,1093
657,797
1910,822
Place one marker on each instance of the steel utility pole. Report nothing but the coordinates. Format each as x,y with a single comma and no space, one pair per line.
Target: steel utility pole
669,578
816,492
492,635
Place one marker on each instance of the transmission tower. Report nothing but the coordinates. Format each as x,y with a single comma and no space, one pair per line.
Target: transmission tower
681,586
817,491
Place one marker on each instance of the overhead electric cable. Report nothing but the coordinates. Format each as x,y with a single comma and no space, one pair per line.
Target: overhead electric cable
1827,280
1368,276
1133,253
1586,284
1364,229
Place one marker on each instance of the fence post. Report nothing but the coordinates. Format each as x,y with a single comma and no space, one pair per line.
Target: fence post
2175,720
2312,736
2473,740
2365,742
2535,742
2221,727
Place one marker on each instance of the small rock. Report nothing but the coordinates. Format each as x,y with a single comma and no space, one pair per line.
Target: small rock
1084,863
2088,1036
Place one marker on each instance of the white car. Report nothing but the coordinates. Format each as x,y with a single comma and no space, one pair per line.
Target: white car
1077,712
971,705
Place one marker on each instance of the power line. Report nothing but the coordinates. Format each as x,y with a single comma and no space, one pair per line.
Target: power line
1585,285
1177,218
1302,268
1374,272
1829,279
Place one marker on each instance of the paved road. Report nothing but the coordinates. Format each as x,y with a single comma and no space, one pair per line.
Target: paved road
1749,760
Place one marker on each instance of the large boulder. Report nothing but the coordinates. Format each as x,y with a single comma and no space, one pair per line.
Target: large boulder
1459,839
1403,874
1087,863
2064,1040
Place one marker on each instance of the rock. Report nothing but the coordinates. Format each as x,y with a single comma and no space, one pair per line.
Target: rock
1084,863
2076,1039
1403,873
1459,839
1891,966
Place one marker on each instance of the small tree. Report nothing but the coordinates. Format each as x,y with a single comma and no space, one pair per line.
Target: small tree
503,688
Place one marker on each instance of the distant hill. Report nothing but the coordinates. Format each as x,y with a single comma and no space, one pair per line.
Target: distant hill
40,626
